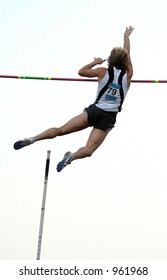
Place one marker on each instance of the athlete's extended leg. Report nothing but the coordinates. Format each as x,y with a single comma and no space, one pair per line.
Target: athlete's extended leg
75,124
95,139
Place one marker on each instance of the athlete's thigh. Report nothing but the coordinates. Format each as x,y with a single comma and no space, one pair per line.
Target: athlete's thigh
96,138
75,124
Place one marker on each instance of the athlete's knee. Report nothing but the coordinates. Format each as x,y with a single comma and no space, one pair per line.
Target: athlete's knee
62,131
52,132
88,151
55,131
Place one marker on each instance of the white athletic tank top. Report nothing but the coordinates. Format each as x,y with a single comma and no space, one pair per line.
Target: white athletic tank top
111,99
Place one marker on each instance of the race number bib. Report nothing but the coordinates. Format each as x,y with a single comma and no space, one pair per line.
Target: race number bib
112,92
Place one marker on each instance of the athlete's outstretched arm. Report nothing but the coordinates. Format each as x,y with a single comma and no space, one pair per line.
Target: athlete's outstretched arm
126,45
127,33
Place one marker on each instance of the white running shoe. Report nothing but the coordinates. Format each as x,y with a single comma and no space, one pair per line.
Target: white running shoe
23,143
66,160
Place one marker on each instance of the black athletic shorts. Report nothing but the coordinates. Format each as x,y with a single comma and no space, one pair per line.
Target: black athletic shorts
99,118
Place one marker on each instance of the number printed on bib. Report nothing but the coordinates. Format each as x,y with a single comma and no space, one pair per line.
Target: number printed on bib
112,92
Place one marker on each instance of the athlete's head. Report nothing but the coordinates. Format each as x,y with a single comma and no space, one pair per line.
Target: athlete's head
118,58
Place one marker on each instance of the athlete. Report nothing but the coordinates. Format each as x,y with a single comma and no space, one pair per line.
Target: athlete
113,85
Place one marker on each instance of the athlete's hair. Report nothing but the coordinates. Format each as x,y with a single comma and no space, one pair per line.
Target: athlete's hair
118,58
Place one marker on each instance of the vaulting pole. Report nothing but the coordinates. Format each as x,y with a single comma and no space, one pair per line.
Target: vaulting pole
43,205
73,79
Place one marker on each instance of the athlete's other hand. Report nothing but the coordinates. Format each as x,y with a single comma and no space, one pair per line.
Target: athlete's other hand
98,60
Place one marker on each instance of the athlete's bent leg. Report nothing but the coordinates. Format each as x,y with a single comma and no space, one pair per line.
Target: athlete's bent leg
95,139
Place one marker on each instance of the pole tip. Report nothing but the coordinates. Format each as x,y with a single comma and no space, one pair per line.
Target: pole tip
48,154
